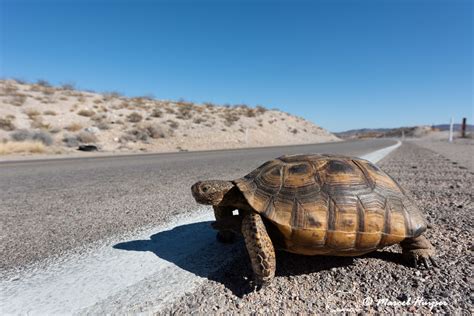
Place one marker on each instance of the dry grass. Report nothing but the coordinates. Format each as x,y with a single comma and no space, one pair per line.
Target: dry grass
74,127
33,147
49,112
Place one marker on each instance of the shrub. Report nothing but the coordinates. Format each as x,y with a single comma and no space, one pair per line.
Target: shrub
43,83
156,113
260,109
49,112
22,135
18,100
134,117
155,131
173,124
86,137
68,86
32,113
21,147
103,126
37,122
86,113
43,137
6,124
71,141
73,127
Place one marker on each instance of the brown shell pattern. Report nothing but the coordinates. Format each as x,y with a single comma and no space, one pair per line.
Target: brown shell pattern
327,204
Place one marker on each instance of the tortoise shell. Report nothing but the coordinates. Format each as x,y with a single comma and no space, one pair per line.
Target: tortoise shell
328,204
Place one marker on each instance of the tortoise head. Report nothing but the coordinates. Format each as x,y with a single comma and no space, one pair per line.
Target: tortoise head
211,192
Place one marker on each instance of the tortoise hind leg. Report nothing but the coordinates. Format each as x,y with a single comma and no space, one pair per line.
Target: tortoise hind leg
260,248
418,250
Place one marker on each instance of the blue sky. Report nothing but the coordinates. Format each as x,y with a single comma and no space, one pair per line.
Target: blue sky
340,64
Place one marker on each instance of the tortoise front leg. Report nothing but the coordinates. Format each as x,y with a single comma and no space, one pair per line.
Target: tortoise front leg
222,212
418,250
260,248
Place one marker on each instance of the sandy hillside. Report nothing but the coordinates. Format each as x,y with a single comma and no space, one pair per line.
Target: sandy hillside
39,118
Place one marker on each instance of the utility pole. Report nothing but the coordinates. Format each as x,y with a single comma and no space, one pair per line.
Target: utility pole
463,128
451,131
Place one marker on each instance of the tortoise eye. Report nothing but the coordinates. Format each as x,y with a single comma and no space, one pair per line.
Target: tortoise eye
205,188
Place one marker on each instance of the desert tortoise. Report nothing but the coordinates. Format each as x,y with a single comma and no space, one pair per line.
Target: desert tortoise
315,205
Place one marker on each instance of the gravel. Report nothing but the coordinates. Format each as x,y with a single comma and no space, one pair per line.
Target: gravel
379,282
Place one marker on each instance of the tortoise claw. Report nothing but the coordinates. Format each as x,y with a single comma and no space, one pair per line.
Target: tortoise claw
425,262
433,262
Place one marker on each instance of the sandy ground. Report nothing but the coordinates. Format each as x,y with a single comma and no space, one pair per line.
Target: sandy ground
116,124
375,283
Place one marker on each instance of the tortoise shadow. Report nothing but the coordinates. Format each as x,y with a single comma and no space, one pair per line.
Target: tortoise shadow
193,247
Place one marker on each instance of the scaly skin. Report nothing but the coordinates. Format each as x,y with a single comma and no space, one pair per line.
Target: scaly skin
222,212
418,250
260,248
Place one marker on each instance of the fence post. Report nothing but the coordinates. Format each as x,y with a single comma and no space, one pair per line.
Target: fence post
463,128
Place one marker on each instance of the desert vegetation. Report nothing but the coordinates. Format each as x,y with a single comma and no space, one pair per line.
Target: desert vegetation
41,118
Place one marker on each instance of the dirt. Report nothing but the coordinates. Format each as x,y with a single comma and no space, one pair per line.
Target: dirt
380,282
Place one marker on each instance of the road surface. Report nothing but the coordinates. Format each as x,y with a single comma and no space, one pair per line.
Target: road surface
51,208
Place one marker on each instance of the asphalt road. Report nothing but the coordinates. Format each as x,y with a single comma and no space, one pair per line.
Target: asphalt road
52,206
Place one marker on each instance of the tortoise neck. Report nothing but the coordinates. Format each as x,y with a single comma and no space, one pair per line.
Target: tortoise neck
234,198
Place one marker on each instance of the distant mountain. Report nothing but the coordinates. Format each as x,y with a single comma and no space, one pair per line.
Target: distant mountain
456,127
411,131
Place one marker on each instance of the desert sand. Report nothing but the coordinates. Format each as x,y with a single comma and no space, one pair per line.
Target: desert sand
38,118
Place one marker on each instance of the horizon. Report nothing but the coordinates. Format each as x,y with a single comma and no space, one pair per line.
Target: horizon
341,65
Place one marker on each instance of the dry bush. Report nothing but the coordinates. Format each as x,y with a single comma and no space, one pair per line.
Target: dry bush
31,113
260,109
50,112
25,135
198,120
230,117
37,122
9,89
156,112
134,117
185,110
86,113
43,83
68,86
6,124
71,141
18,99
86,137
170,110
32,147
74,127
172,124
103,126
98,117
63,98
249,112
97,101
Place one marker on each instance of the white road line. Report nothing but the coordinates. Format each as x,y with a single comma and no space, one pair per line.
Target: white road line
378,155
136,274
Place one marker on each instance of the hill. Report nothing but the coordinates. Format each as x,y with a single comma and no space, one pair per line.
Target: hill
42,118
